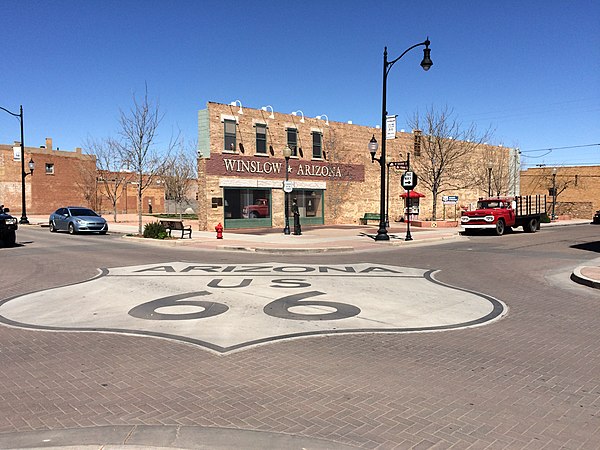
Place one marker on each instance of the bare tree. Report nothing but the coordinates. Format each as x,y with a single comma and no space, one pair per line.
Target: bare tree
445,149
110,175
138,132
179,174
87,181
493,172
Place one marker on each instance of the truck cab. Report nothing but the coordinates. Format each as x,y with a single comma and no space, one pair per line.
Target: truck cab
503,213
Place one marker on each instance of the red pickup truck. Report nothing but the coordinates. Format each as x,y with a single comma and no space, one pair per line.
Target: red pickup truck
260,208
503,213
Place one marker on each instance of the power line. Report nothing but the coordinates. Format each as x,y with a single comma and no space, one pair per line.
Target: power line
558,148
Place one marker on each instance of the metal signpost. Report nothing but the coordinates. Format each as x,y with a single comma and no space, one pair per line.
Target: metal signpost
409,181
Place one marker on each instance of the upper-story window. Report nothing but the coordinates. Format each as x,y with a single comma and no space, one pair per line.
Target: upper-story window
49,169
292,140
317,145
229,126
261,138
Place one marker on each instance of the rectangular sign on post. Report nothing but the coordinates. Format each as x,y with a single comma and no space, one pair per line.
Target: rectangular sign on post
390,127
16,153
450,199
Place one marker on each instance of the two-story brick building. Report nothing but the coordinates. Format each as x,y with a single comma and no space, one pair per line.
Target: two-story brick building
64,178
241,169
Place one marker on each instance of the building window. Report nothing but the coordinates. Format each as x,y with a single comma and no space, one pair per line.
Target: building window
229,126
261,138
317,139
292,140
49,169
247,204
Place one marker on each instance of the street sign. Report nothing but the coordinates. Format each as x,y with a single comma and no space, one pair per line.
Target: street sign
409,180
450,199
288,186
400,165
390,127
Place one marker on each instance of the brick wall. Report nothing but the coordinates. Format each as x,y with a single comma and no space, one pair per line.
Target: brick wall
347,197
577,188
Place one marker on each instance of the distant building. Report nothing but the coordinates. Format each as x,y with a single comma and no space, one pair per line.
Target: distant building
63,178
577,188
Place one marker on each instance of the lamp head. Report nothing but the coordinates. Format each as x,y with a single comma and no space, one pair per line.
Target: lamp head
287,152
427,62
373,146
31,165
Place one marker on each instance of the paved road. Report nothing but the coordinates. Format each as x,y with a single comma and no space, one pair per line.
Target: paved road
526,380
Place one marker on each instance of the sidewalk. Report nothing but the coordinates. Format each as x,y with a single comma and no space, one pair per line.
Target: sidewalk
315,239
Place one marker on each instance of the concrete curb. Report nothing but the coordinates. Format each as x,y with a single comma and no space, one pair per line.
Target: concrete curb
161,437
579,278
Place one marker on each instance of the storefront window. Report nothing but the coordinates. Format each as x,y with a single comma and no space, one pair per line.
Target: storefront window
310,205
247,208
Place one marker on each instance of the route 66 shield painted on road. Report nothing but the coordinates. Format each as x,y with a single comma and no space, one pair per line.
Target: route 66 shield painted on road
228,307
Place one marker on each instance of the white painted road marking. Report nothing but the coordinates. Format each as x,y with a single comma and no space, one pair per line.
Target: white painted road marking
225,307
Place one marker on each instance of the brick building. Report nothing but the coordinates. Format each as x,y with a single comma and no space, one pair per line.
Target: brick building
577,188
241,169
64,178
54,182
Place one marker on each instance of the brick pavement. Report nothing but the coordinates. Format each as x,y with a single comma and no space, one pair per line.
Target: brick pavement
528,381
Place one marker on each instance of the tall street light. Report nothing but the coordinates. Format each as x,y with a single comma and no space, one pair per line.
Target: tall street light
287,152
23,174
426,64
553,192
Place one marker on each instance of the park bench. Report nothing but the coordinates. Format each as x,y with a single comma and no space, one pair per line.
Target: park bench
176,225
369,216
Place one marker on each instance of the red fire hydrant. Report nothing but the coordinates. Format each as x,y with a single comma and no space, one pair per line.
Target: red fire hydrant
219,230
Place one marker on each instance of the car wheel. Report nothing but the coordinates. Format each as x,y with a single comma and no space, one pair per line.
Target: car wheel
72,229
500,227
9,239
52,227
102,232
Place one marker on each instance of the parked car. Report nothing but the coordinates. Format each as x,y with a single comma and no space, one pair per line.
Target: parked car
8,228
77,219
596,218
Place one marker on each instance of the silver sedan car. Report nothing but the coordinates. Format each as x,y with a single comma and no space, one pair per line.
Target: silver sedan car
77,219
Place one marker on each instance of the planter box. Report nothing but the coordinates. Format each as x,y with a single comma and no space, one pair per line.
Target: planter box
434,223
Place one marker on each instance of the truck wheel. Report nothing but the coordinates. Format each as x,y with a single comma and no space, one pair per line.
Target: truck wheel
253,215
531,226
500,227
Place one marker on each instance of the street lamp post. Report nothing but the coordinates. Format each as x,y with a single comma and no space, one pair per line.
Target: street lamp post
287,152
23,174
553,192
489,179
426,64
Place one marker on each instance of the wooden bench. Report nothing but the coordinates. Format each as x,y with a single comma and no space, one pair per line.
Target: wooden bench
369,216
176,225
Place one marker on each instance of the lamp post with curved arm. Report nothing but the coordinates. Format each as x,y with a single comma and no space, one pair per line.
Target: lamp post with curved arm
426,64
23,174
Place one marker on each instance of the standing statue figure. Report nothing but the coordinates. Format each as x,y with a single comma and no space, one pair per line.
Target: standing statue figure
297,229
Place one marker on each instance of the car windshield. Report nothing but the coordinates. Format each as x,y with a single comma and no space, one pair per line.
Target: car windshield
83,212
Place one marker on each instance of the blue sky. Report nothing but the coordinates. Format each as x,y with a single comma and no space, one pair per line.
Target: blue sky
530,70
